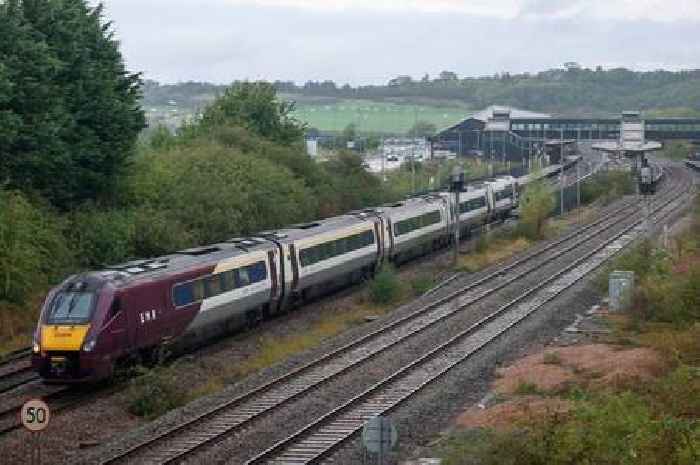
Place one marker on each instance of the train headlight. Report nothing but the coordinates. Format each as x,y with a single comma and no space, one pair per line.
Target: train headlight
89,345
36,347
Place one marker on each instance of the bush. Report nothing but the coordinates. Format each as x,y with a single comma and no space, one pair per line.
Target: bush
385,287
156,391
422,284
612,429
607,185
101,237
536,206
33,250
214,192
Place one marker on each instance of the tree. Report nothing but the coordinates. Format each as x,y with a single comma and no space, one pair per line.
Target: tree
535,206
350,132
254,105
422,129
448,76
69,110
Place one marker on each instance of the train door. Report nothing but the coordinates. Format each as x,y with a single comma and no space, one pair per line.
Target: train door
295,267
116,327
147,315
379,237
277,280
390,236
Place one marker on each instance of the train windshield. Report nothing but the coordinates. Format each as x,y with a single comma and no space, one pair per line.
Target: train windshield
71,308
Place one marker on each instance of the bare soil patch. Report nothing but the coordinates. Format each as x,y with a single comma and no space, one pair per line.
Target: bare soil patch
603,364
509,413
526,383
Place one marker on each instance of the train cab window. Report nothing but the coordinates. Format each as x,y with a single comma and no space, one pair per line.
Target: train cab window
71,308
242,277
115,308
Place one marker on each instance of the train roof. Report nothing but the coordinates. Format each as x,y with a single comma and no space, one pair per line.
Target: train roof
146,269
304,230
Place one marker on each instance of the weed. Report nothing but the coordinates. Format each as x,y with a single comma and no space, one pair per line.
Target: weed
525,388
385,287
421,284
156,391
552,358
495,251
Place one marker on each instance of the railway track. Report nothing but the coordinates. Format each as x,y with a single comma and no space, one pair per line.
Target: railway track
16,370
58,397
239,413
321,437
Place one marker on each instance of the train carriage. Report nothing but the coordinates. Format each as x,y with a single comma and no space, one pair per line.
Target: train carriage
328,254
502,196
415,226
94,320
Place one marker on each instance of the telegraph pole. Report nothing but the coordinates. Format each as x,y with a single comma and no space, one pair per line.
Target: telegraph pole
457,184
561,173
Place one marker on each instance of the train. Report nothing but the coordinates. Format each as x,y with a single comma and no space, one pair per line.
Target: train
95,321
649,175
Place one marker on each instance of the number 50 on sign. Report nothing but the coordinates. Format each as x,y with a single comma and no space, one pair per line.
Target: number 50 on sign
35,415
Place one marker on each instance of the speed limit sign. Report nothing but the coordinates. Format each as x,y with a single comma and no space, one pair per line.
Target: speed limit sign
35,415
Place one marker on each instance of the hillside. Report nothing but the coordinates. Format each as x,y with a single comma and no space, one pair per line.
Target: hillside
442,101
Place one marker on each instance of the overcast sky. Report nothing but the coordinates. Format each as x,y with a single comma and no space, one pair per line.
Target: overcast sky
370,41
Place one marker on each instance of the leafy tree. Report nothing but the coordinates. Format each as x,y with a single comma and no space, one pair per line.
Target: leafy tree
255,106
422,129
32,250
535,206
69,111
350,132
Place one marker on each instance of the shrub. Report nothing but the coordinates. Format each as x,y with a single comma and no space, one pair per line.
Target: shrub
385,287
156,391
552,358
101,237
536,205
422,284
607,186
612,429
215,192
32,248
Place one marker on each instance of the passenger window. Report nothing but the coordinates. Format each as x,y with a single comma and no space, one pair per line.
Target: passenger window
257,272
227,281
198,290
213,285
341,246
243,279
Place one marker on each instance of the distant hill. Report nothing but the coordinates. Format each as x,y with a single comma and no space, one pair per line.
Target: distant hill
572,91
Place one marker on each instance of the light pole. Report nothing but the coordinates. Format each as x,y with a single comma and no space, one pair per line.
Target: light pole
457,185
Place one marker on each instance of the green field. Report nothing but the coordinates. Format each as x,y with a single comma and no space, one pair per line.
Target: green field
373,116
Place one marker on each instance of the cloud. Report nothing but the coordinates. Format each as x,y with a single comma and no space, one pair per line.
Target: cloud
499,8
223,40
624,10
653,10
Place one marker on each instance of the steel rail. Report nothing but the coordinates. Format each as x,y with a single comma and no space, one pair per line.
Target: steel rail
19,377
334,428
238,419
